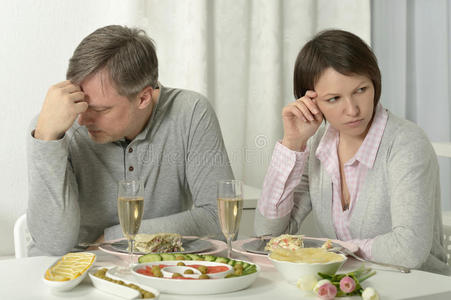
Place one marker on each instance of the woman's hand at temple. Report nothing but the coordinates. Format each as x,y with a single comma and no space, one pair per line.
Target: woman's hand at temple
301,119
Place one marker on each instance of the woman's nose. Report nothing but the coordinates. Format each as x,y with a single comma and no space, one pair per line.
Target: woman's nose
352,108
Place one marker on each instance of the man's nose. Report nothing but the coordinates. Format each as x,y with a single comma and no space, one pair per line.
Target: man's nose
85,119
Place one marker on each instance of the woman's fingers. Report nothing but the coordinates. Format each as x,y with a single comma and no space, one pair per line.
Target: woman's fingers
308,106
311,105
294,110
311,94
300,104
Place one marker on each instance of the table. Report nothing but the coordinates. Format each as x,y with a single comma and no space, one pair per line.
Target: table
21,279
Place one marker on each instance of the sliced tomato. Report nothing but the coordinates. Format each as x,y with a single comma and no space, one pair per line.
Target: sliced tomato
216,269
145,272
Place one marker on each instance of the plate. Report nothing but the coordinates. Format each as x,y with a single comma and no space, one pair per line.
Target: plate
117,289
191,287
190,244
257,246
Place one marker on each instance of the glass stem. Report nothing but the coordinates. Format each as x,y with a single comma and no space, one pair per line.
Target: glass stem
229,247
131,246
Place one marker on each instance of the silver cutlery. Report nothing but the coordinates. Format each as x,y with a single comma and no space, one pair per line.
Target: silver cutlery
347,252
85,244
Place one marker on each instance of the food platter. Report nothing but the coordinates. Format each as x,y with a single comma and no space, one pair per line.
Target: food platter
257,245
190,245
189,287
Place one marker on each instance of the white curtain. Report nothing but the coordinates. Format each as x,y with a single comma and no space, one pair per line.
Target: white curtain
412,40
241,54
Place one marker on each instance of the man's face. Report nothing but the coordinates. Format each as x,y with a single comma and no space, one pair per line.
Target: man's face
109,116
347,102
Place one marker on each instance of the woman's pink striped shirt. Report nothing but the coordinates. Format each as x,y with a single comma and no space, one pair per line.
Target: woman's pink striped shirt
286,168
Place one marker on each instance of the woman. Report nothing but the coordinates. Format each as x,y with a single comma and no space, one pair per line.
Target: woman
366,176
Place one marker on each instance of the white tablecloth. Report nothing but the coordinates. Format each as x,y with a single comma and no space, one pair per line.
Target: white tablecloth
22,279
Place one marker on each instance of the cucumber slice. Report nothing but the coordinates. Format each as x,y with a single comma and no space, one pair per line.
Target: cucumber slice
210,258
223,260
167,256
195,256
232,262
149,258
249,270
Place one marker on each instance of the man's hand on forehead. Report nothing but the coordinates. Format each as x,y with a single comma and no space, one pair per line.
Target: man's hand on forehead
63,103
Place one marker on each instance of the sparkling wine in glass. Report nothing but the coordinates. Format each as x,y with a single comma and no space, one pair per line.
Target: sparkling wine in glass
230,207
130,204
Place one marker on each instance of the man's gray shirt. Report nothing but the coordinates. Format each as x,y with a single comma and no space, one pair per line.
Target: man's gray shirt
180,156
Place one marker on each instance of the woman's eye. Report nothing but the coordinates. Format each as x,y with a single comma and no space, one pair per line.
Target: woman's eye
330,100
362,89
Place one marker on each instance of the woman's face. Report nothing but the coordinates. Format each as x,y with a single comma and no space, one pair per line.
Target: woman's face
347,102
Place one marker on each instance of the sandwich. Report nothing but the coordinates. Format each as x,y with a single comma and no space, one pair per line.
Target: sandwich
286,241
158,242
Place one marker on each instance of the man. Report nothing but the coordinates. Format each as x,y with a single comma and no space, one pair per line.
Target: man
110,121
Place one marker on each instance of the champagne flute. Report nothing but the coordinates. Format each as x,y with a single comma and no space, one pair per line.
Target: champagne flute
130,204
230,207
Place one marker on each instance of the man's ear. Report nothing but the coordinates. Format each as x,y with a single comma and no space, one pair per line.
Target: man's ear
145,97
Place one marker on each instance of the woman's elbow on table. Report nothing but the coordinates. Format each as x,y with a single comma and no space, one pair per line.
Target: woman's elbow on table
412,254
413,259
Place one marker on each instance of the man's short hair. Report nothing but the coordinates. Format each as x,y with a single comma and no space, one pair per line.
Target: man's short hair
128,54
343,51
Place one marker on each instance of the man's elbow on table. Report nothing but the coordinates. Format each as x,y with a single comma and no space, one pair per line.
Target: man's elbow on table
52,242
51,247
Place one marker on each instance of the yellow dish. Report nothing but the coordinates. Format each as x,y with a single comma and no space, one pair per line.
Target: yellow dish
305,255
70,266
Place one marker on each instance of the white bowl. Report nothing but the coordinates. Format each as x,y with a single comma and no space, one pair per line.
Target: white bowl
292,271
61,286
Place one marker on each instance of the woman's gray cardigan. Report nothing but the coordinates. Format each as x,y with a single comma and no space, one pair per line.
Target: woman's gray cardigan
398,204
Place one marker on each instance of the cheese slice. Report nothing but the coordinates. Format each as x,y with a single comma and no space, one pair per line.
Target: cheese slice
70,266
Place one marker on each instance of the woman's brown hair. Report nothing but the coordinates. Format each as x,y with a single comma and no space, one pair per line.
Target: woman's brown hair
343,51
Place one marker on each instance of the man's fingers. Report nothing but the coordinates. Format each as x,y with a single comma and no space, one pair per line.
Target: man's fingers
62,83
81,107
71,88
77,97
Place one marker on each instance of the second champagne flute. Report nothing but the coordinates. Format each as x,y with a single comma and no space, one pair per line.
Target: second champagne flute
130,205
230,207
